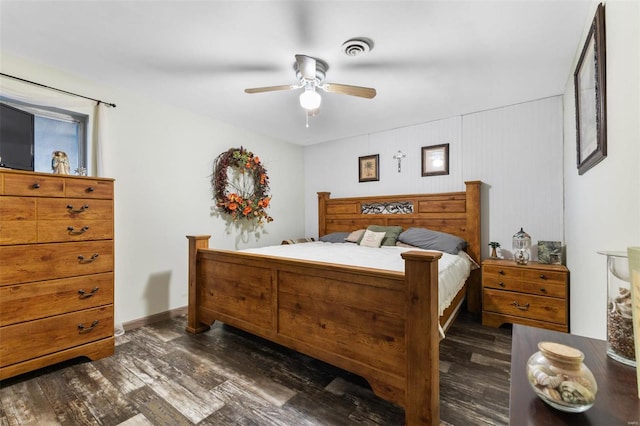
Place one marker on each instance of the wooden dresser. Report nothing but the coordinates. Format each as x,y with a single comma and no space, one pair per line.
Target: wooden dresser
56,269
534,294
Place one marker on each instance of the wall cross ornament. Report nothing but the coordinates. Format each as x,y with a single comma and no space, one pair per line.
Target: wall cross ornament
399,156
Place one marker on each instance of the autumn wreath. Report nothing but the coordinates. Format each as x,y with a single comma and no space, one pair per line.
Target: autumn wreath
240,185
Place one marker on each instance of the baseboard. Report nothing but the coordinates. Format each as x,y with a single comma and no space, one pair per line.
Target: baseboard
161,316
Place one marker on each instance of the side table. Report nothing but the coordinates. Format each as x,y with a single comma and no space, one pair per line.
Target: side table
617,400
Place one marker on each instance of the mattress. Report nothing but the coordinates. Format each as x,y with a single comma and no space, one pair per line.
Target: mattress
453,270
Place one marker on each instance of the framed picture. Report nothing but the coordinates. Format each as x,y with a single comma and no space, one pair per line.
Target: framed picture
435,160
550,252
591,99
369,168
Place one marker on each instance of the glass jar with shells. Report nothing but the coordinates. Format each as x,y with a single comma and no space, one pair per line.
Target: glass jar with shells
560,378
620,339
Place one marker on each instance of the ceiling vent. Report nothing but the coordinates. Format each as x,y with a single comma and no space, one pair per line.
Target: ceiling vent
357,46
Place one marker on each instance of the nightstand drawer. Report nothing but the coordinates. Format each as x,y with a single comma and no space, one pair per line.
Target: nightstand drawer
539,308
502,272
543,277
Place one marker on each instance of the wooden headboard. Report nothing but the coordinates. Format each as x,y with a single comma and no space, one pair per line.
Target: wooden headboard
456,213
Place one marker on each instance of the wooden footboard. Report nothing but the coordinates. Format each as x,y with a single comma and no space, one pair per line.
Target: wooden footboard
381,325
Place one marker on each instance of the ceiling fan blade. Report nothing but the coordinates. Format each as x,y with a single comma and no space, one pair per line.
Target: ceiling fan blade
272,88
343,89
307,66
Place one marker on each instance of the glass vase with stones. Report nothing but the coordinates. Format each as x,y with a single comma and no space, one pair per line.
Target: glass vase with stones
620,339
560,378
521,245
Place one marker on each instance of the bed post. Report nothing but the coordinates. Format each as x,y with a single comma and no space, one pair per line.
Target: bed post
193,324
322,212
474,292
422,338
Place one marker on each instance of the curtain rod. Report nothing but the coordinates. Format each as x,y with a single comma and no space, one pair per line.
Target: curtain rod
58,90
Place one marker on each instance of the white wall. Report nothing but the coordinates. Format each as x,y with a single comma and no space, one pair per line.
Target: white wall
603,205
516,151
162,158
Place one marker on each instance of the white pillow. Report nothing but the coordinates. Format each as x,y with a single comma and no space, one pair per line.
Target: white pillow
372,239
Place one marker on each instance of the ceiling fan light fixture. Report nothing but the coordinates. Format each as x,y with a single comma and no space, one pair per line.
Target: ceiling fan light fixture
310,99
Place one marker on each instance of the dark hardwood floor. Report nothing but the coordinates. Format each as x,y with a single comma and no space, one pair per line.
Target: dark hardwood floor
160,375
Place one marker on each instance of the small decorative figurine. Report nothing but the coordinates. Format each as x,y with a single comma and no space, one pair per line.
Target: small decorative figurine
494,246
60,163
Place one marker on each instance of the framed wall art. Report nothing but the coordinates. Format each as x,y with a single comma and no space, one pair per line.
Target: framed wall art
435,160
591,99
369,168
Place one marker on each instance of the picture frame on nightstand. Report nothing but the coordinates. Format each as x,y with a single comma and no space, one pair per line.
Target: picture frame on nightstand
550,252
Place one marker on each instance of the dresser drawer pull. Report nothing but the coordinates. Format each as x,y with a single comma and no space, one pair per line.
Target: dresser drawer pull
501,272
82,329
501,284
84,295
90,189
73,231
524,307
543,290
80,210
91,259
543,277
35,186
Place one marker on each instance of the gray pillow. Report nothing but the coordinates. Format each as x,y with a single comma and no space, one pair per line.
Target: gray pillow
432,240
335,237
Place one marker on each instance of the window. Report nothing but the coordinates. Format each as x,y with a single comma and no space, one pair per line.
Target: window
57,130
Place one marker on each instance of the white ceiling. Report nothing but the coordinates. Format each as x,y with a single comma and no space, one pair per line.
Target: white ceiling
430,60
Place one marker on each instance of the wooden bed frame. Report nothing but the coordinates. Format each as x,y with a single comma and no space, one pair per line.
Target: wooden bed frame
381,325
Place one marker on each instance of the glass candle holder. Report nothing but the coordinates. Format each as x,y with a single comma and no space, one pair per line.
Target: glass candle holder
521,244
620,339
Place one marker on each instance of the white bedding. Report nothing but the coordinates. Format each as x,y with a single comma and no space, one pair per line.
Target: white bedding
453,270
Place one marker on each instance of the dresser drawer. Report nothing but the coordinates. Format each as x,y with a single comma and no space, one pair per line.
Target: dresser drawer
28,340
17,220
26,302
542,288
39,262
540,308
545,277
74,230
33,185
74,208
89,188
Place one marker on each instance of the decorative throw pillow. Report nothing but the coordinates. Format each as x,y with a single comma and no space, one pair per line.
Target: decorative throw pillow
372,239
391,233
355,236
432,240
335,237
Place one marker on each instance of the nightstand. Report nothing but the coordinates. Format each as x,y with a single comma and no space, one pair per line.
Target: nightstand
534,294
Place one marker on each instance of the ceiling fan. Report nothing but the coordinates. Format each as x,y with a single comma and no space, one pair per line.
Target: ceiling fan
310,73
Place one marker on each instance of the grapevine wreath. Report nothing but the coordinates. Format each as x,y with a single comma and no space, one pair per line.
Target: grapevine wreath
244,196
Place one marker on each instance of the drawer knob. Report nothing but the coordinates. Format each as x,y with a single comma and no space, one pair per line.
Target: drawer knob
91,259
501,284
35,186
543,277
73,231
501,272
84,295
524,307
90,189
542,289
82,329
74,210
